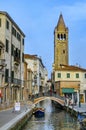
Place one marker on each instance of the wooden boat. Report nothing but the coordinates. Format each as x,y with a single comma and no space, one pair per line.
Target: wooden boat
39,112
82,120
83,124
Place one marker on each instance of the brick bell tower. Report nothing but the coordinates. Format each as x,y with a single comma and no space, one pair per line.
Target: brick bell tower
60,44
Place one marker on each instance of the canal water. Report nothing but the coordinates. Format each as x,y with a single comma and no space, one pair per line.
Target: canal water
55,119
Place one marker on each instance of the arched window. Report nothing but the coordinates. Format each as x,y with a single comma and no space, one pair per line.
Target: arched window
61,36
65,36
58,36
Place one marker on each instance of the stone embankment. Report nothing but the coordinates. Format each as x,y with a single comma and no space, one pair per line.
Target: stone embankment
16,119
74,110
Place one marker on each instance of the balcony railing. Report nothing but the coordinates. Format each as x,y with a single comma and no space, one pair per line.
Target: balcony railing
16,60
2,62
15,81
2,72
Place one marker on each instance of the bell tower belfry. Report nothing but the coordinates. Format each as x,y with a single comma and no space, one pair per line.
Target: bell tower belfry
60,44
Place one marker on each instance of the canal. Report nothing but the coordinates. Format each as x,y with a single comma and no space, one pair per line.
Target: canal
55,119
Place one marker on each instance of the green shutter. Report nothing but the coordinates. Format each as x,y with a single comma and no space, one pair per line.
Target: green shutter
68,75
59,75
77,75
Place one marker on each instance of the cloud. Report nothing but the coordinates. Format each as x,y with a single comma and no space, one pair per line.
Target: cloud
74,12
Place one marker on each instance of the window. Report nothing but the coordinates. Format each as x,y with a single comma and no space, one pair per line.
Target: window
7,24
14,31
59,75
63,51
23,41
77,75
7,45
18,36
0,22
65,36
85,75
61,36
19,54
6,75
58,36
12,76
68,75
22,57
12,50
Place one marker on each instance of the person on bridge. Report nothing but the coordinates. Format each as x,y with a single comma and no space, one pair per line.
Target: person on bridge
50,92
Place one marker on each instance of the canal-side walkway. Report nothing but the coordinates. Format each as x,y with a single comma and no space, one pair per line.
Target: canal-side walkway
9,118
78,108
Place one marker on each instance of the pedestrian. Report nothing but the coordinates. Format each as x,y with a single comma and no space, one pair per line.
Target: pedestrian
75,101
65,101
14,107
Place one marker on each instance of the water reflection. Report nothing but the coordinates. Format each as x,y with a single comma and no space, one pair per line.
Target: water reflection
54,119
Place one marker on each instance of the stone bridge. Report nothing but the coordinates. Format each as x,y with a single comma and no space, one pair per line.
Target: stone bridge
56,99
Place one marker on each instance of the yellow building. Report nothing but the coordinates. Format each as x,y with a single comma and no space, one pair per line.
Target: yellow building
27,82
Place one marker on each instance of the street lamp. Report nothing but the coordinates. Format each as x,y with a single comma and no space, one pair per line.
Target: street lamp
79,96
33,85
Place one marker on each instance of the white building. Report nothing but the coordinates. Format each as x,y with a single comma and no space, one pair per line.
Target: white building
40,74
11,59
71,80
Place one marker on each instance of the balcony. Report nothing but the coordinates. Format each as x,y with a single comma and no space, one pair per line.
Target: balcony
1,44
16,60
2,63
14,81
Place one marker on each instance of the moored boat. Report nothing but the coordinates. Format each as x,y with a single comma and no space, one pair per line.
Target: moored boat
82,120
83,124
39,112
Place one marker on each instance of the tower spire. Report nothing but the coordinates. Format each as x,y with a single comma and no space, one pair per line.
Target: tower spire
61,23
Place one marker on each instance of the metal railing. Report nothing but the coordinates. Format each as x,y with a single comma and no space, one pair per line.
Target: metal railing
47,94
15,81
2,62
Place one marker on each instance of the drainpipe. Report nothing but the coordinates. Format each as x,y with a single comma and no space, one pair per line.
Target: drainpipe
10,68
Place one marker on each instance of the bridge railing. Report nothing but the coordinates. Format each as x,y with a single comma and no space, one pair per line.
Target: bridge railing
58,96
48,95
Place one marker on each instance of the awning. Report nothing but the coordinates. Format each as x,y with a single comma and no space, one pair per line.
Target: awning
67,90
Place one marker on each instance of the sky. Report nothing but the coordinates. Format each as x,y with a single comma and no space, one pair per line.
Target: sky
38,19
